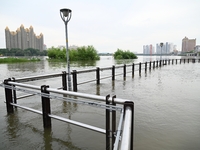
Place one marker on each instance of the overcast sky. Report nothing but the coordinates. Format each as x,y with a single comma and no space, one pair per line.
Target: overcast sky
105,24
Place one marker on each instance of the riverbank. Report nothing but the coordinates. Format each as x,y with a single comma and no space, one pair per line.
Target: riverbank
16,60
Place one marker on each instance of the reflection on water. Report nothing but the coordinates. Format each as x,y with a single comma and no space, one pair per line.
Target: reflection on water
69,108
83,63
53,64
125,61
23,67
12,128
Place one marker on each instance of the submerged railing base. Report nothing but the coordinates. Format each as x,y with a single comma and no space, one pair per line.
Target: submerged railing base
125,107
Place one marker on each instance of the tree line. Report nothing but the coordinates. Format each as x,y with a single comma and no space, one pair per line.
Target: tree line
85,53
81,53
20,52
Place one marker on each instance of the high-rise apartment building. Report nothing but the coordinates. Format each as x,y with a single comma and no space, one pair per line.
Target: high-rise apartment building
188,44
148,49
23,39
167,48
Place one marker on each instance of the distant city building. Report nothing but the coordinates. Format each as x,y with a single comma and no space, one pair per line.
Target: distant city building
167,48
23,39
188,44
148,49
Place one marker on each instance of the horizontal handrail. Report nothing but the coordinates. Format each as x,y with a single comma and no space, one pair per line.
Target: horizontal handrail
105,68
78,124
85,71
67,99
38,77
24,96
86,81
70,93
27,108
35,87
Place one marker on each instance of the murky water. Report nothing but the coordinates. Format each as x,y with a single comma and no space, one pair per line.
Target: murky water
166,101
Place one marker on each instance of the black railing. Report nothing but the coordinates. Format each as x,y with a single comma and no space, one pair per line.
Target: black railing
134,67
120,138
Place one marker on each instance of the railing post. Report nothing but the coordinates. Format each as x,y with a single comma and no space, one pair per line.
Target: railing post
113,122
46,109
140,69
64,80
153,64
124,70
150,65
8,95
145,67
113,72
107,124
176,61
172,61
74,75
169,61
160,62
180,61
14,93
193,60
133,69
188,60
98,75
157,63
184,60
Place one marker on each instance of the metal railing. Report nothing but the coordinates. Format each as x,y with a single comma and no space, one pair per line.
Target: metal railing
122,137
132,69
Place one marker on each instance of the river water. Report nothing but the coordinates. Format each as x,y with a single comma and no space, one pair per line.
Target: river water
167,114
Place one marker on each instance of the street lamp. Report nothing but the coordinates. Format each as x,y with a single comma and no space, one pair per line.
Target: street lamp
66,14
161,45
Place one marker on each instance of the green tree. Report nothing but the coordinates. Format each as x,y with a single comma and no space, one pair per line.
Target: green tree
81,53
120,54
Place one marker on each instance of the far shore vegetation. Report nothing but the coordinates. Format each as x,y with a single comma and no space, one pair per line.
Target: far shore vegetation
19,52
17,60
120,54
80,54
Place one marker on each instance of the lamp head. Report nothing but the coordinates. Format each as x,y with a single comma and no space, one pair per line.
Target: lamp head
65,12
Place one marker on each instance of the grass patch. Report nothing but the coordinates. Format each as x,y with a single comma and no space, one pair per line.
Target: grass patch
17,60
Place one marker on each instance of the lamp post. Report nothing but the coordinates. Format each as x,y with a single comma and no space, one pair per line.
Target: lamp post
161,45
66,14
